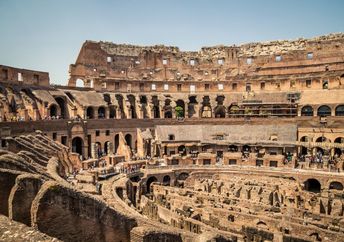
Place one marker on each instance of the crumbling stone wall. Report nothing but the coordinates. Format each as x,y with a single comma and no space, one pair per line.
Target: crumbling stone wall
22,194
71,215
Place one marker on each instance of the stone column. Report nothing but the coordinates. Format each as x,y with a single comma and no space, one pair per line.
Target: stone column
110,148
94,153
118,112
107,112
315,111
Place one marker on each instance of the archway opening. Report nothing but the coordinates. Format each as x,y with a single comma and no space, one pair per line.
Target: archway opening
62,104
168,109
90,113
182,150
149,183
128,140
180,109
234,111
307,111
101,112
53,110
166,180
233,148
336,186
304,150
77,144
312,185
116,143
340,110
337,151
220,112
324,111
79,83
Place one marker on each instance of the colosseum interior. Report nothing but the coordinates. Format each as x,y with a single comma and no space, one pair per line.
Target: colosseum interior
150,143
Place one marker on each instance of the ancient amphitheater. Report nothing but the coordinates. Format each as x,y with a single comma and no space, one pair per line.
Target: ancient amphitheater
150,143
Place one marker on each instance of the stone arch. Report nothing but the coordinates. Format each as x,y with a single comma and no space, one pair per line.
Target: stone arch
166,180
234,111
63,107
206,108
22,194
101,112
322,139
107,98
335,185
338,151
131,106
320,150
7,182
233,148
246,148
324,111
307,111
112,112
156,107
183,176
79,82
149,182
180,108
90,112
191,106
220,111
339,110
182,150
53,111
167,109
312,185
304,149
128,140
77,145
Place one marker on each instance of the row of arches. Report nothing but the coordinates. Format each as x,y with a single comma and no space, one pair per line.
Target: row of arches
58,110
322,111
78,144
321,139
91,113
313,185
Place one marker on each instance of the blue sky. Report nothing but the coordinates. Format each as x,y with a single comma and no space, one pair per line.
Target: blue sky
47,34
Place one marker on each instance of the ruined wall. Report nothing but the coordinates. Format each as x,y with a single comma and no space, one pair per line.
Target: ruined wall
106,64
71,215
22,194
22,76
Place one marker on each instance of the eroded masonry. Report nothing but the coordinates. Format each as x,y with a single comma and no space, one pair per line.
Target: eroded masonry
229,143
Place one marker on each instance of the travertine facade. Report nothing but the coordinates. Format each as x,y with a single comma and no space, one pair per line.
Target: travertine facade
230,143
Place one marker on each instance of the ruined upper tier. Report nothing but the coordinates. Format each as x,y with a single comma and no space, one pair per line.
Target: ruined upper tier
102,64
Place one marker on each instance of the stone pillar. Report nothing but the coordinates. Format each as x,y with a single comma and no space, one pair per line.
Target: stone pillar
161,110
107,112
118,112
94,153
36,114
186,110
26,114
85,113
196,114
333,111
110,148
315,111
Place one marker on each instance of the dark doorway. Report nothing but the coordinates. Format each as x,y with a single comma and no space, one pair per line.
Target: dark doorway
77,144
